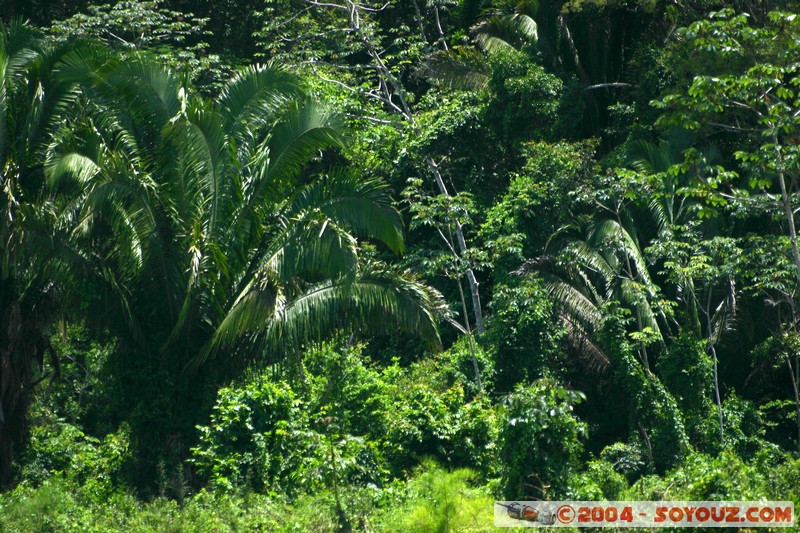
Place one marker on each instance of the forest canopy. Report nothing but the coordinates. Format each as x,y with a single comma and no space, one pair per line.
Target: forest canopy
293,265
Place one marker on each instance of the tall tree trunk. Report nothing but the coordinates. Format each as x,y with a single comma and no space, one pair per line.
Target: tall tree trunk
393,87
793,373
712,348
475,365
21,354
789,213
787,209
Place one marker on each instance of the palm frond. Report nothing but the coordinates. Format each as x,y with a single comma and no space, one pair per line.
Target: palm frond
650,158
611,229
20,44
302,132
205,185
70,167
505,31
253,97
313,246
457,68
580,342
364,206
379,301
18,48
135,98
575,303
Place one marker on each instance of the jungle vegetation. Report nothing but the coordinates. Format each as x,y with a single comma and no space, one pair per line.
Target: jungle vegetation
294,265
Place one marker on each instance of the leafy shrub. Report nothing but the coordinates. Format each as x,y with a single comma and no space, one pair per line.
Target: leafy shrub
538,200
744,428
455,368
525,99
62,450
430,422
344,384
431,408
255,434
702,477
79,395
540,440
521,334
624,458
440,501
58,506
599,481
261,436
436,412
687,371
655,420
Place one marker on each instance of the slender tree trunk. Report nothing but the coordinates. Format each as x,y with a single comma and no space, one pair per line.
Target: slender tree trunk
393,87
789,212
469,337
419,21
793,373
462,247
787,209
439,27
648,445
713,350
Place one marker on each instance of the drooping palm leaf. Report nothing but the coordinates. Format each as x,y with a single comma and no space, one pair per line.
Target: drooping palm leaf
378,301
301,133
208,209
250,102
457,68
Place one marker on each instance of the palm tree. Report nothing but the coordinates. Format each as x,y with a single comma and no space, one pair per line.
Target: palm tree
669,210
210,234
33,255
507,24
596,262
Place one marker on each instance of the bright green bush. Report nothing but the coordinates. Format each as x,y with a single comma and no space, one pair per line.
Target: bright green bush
255,435
62,450
702,477
58,506
541,440
599,481
430,409
349,423
430,418
455,367
522,334
625,458
261,437
438,501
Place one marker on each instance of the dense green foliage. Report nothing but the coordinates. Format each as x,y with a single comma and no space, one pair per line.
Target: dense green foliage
291,265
